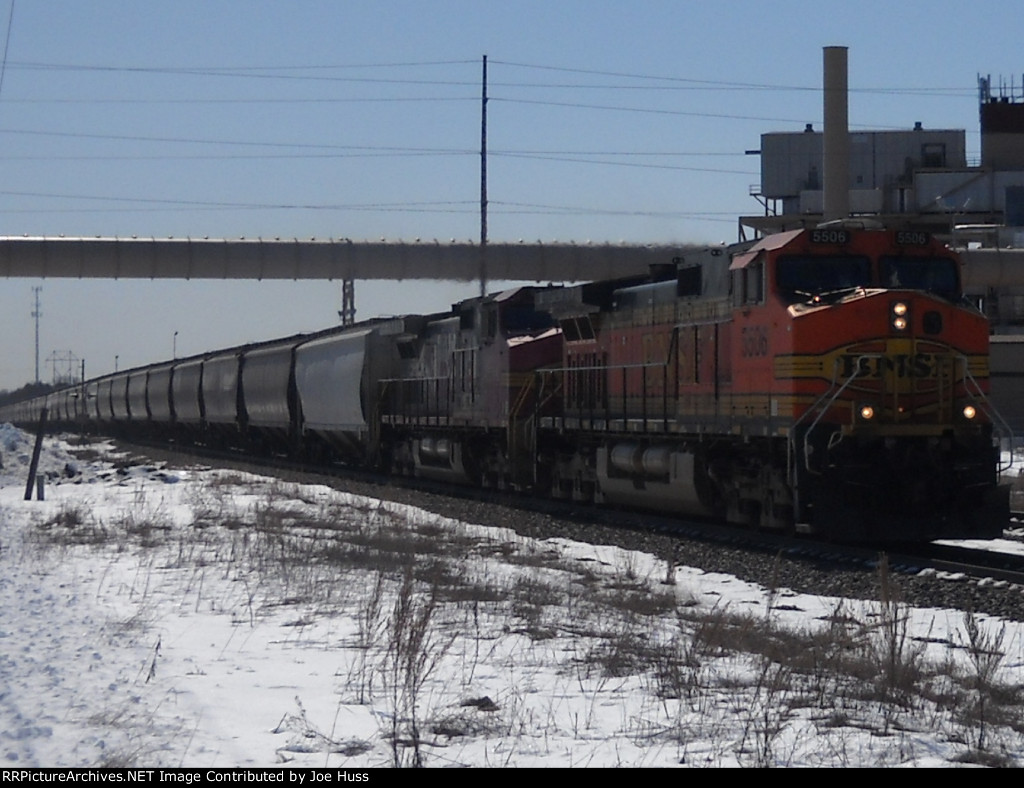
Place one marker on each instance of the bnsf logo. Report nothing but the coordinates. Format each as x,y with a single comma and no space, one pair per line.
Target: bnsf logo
916,365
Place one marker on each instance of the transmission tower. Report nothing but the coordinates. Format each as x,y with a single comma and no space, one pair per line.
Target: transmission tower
65,367
37,313
348,302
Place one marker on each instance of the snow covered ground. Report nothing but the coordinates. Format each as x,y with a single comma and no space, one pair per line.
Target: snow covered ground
158,617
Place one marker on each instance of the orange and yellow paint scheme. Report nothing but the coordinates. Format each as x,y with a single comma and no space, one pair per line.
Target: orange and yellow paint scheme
828,379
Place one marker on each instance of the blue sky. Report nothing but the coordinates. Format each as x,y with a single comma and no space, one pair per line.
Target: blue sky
607,121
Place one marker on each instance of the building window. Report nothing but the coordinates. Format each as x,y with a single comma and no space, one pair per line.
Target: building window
933,154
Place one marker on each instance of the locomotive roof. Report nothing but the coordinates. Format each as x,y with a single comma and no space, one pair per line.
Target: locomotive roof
768,243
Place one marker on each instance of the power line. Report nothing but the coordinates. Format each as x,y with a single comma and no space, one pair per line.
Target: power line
383,152
568,210
362,151
269,150
30,64
452,206
260,73
239,143
7,44
708,84
292,73
261,100
668,112
228,204
573,159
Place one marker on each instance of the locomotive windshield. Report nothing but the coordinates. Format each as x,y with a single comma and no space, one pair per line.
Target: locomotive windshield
809,275
935,274
804,276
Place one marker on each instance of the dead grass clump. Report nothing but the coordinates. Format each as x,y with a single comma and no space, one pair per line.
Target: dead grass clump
677,670
150,530
531,596
341,556
767,713
895,655
623,654
988,704
272,519
719,632
531,621
304,737
414,649
394,539
229,480
68,516
473,592
476,717
531,590
71,526
993,760
639,600
514,555
437,573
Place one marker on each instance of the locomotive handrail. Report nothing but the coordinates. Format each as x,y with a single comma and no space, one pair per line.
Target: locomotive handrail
646,365
520,431
1003,428
834,392
822,404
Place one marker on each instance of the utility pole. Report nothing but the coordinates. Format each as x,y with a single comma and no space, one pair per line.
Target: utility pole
37,313
483,185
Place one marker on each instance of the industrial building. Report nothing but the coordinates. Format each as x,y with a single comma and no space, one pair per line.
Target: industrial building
915,178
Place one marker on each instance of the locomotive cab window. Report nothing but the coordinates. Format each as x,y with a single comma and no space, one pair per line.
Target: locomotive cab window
804,276
748,285
689,281
578,329
937,275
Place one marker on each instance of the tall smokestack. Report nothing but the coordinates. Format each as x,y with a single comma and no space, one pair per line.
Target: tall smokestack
837,136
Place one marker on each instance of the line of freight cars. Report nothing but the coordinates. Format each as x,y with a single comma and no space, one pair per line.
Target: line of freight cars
828,380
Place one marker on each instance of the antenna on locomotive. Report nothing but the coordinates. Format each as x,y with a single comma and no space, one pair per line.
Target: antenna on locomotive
836,164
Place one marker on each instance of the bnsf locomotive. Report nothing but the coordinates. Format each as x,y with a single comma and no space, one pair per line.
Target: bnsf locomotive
827,380
830,380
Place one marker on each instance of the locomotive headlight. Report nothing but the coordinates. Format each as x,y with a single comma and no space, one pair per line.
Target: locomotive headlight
969,412
867,412
900,316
